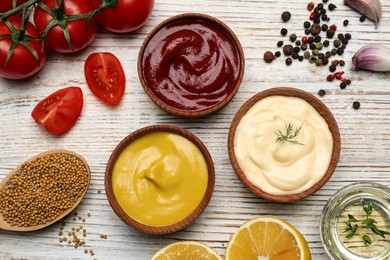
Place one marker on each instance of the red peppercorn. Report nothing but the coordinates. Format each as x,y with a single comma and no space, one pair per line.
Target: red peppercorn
330,77
304,39
339,75
333,27
312,16
343,79
310,6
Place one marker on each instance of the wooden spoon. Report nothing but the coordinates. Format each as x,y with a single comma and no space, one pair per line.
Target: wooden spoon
6,226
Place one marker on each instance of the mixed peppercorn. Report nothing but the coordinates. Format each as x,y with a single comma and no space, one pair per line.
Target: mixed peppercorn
316,49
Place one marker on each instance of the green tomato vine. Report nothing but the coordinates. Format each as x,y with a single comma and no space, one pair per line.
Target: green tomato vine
19,37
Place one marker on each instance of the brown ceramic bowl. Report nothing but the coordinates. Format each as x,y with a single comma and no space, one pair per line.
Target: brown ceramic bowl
184,222
183,107
321,109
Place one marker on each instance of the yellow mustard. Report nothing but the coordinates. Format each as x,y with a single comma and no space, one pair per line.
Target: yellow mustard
160,178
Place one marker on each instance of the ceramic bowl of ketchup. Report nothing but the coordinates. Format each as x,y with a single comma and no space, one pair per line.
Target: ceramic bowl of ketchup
191,65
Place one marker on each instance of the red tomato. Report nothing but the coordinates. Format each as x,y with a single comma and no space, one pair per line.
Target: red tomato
58,112
105,77
79,36
6,5
22,62
127,16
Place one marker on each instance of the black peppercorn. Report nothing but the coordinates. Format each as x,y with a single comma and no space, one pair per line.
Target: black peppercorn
280,43
324,17
342,63
298,43
315,29
286,15
328,54
333,51
317,38
268,57
343,85
340,51
288,61
332,68
331,7
320,6
321,56
316,20
316,9
323,11
312,46
277,53
348,36
288,49
283,31
321,92
294,55
336,43
362,18
325,1
310,39
348,82
326,43
297,49
300,58
324,27
307,31
345,23
356,105
344,41
340,36
330,33
306,24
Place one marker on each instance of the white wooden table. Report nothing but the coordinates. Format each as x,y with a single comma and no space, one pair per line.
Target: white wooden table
365,133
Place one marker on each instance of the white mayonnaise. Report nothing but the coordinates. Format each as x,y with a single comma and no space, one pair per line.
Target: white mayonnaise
283,168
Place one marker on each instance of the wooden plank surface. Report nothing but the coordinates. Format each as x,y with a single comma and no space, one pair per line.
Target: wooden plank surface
365,133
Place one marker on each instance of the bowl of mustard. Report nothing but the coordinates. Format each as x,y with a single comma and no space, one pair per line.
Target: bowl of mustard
159,179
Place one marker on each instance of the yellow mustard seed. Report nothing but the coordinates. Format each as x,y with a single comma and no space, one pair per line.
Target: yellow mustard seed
53,181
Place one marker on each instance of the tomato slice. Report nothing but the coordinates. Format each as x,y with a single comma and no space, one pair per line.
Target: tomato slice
58,112
105,77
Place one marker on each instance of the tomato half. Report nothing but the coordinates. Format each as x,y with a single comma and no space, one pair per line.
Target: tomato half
79,36
58,112
22,63
105,77
6,5
127,16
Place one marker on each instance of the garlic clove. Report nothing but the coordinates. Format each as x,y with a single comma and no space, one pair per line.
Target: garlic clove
372,9
373,57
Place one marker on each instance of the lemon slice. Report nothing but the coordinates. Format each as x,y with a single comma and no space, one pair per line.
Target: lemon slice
185,250
267,238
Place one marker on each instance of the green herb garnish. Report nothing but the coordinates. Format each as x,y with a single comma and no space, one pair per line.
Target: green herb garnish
367,223
289,136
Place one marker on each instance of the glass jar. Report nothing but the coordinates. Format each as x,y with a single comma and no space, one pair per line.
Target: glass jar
348,202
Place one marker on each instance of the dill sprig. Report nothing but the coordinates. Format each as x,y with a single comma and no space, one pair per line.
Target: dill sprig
289,136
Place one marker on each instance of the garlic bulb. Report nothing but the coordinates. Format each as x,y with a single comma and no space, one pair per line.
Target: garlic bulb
372,9
373,57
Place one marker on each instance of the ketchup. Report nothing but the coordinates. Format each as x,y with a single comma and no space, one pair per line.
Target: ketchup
191,65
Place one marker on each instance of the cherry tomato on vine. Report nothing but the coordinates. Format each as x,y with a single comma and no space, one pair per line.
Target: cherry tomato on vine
127,16
22,63
6,5
80,37
105,77
58,112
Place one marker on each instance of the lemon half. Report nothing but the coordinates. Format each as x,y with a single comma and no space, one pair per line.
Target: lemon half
186,250
267,238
